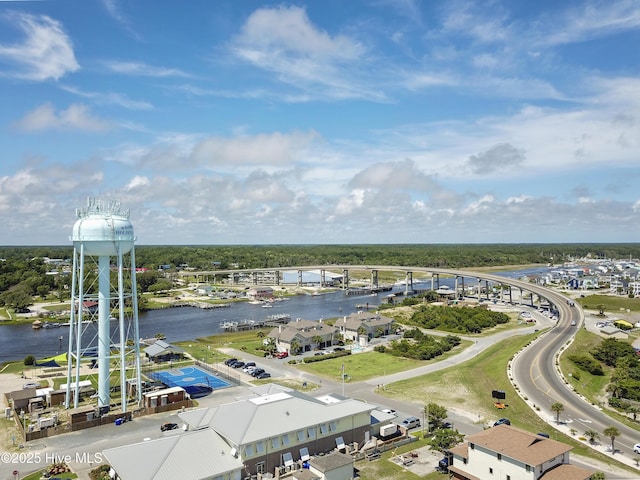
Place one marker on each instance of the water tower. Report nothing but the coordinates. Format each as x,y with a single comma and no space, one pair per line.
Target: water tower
103,294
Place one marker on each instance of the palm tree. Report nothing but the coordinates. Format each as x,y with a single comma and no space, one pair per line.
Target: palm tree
592,435
294,346
612,433
558,408
317,339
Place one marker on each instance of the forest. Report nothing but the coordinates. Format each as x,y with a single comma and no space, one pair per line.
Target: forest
23,269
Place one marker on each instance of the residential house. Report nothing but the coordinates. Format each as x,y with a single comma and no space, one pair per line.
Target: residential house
304,335
507,453
365,324
277,426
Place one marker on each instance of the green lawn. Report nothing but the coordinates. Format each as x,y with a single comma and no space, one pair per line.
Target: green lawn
364,366
612,304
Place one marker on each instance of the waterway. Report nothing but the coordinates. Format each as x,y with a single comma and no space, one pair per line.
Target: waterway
188,323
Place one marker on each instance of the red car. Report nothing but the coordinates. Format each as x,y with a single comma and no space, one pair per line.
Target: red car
282,355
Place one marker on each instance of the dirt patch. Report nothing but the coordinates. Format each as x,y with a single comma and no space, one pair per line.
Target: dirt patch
420,461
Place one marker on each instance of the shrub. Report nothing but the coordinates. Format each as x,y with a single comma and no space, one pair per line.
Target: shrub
29,360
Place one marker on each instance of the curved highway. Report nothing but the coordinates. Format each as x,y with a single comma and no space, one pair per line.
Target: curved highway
533,370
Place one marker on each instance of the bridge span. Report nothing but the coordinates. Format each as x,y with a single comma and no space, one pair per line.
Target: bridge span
483,283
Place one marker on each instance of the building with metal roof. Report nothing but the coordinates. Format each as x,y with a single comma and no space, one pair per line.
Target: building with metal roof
267,430
198,455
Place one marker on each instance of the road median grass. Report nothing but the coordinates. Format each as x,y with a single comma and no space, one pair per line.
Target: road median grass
468,387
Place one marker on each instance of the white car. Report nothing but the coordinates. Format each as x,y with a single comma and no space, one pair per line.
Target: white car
636,448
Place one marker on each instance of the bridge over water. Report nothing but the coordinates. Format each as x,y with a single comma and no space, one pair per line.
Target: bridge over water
465,281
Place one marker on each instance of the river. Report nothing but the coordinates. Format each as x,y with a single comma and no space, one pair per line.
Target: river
189,323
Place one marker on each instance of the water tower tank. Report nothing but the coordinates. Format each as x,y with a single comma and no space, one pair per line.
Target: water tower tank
103,229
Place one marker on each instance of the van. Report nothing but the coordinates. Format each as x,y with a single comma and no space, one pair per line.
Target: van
411,422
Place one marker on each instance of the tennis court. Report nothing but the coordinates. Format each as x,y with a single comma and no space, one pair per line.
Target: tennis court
189,376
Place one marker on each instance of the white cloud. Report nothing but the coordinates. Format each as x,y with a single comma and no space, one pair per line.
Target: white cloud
144,70
283,40
46,51
588,20
501,156
75,117
110,98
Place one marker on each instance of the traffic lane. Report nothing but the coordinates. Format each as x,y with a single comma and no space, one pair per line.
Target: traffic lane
535,372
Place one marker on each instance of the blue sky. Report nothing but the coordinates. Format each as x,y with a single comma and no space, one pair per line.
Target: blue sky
382,121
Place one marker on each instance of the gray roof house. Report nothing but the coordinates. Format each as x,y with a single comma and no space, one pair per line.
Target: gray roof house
198,455
371,324
161,350
272,430
308,334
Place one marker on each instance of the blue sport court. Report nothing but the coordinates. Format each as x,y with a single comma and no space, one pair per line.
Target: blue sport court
195,380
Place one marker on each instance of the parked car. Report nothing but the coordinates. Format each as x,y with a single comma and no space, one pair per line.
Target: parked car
31,385
229,361
411,422
238,364
249,369
636,448
282,354
257,372
339,349
168,426
502,421
263,375
249,364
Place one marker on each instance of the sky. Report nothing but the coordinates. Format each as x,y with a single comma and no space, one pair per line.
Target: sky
322,122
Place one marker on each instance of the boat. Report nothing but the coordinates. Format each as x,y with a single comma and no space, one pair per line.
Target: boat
36,325
267,305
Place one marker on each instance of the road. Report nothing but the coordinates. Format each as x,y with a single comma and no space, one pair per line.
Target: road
533,371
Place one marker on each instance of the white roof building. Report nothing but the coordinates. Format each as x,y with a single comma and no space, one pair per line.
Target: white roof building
198,455
283,425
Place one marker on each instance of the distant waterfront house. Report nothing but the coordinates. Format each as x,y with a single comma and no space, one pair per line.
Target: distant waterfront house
305,334
633,288
260,293
505,452
369,324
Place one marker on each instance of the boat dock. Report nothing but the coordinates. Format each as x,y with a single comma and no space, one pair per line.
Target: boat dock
244,325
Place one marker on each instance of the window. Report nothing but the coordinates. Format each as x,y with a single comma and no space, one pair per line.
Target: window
333,426
491,470
261,467
499,456
323,428
311,432
300,435
285,439
304,454
287,459
248,450
528,468
275,442
260,447
508,477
